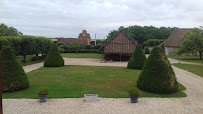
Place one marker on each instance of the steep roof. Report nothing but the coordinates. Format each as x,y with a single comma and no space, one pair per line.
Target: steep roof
122,32
174,40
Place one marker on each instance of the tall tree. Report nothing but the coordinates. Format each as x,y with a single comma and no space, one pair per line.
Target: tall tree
76,46
142,34
192,42
8,31
28,46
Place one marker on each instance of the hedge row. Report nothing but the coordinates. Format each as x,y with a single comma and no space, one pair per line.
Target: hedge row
80,51
26,45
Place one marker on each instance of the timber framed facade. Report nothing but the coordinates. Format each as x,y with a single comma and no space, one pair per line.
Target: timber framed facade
119,48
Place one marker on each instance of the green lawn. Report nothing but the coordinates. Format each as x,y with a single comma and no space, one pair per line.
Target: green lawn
194,59
83,55
28,59
75,81
196,69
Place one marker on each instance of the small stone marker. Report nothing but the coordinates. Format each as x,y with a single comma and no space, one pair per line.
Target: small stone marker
91,97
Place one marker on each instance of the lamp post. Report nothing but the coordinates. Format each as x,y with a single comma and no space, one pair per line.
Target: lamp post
1,109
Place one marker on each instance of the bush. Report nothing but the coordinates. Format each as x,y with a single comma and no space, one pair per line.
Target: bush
133,92
53,58
138,58
87,47
80,51
157,75
42,57
13,75
43,91
35,58
131,63
61,50
147,50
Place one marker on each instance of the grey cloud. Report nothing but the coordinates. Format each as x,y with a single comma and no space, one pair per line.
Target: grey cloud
67,18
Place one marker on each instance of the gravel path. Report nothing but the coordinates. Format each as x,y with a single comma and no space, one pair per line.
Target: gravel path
32,67
192,104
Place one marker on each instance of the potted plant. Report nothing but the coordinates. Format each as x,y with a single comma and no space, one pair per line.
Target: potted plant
133,93
42,93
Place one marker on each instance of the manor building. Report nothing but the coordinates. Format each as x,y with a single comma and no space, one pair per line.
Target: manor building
83,38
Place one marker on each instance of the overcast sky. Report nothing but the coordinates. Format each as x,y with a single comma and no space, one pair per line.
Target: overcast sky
67,18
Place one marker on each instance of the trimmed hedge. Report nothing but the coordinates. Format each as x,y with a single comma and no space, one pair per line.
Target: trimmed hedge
13,75
138,58
81,51
157,75
54,58
147,50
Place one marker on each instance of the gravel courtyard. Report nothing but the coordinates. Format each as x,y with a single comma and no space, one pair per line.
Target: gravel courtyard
192,104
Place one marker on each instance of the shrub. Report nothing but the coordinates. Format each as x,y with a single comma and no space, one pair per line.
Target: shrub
147,50
35,58
53,58
138,58
133,92
42,57
13,75
80,51
157,75
61,50
43,91
87,47
131,63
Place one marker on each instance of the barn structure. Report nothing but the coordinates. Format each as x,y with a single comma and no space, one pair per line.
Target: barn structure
173,43
119,48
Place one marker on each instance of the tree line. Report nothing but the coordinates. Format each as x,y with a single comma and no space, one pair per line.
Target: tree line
142,34
9,31
26,45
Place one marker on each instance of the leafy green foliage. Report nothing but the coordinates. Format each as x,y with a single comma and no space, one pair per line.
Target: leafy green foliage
138,58
157,75
13,75
53,58
153,42
8,31
3,42
142,34
131,63
87,47
26,45
43,91
77,46
192,42
133,92
147,50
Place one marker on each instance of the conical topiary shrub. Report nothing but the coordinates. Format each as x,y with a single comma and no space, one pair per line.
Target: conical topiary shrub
157,75
53,58
138,58
147,50
13,75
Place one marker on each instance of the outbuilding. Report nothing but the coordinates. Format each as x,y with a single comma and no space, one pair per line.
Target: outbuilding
119,48
174,41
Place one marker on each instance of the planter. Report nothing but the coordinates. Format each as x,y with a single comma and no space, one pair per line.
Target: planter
134,99
42,98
